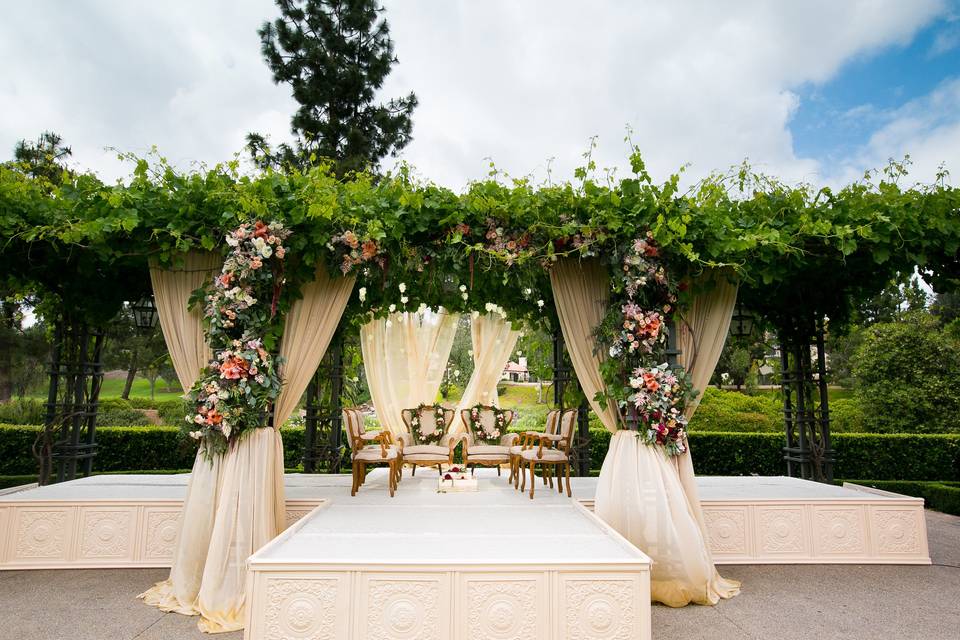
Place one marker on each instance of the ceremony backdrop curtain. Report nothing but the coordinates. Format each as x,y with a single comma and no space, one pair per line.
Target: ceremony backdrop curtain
703,329
639,492
493,340
250,502
189,352
404,357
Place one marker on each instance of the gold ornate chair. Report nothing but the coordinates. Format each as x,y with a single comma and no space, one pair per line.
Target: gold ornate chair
552,450
370,448
527,440
486,443
427,441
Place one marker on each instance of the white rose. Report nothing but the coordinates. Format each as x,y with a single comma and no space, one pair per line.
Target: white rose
540,303
402,287
463,288
362,293
404,299
392,308
464,295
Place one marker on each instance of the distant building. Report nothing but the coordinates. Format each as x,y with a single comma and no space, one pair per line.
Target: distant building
516,371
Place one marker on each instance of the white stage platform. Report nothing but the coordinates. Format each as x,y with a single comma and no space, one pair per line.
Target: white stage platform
131,521
488,564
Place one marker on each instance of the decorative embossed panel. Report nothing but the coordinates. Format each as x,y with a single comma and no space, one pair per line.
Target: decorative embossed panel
304,609
839,531
406,606
727,530
600,607
503,607
780,530
292,516
106,534
898,531
42,534
4,533
162,526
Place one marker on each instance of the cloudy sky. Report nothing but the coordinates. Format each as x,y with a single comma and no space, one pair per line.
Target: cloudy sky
807,90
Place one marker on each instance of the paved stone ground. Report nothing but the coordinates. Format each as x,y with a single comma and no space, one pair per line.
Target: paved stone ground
778,601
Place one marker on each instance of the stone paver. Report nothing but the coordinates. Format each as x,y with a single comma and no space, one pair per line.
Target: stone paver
785,602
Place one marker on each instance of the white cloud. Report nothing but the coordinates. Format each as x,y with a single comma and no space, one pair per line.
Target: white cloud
522,82
927,128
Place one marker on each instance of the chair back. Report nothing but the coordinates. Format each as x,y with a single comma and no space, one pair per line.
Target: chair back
567,423
430,430
353,424
487,423
552,421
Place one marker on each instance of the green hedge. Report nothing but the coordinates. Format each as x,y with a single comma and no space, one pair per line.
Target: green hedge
942,496
878,456
729,412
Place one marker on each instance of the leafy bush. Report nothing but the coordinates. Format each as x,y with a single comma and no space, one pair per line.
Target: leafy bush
22,411
908,377
846,416
942,496
878,456
730,411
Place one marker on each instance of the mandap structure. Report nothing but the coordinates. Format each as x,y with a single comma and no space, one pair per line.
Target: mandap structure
800,256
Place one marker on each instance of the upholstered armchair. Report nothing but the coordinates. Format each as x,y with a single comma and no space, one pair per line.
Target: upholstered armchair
552,451
370,448
428,441
486,443
528,439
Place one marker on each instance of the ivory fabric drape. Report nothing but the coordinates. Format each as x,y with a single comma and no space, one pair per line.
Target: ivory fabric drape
183,333
310,325
639,491
250,502
404,357
703,332
581,291
493,339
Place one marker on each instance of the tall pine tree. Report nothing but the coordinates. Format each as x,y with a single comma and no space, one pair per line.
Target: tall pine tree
335,54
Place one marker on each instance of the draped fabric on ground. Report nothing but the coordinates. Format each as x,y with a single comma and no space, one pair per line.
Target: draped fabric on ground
493,340
703,330
189,352
404,357
250,502
639,492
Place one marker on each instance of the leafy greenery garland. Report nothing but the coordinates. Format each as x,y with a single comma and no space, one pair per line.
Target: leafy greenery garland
440,420
478,429
240,384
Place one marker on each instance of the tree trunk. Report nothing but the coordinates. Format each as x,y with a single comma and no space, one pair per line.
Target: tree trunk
131,376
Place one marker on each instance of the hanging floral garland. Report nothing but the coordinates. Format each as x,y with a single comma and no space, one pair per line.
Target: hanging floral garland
650,395
480,431
434,433
237,388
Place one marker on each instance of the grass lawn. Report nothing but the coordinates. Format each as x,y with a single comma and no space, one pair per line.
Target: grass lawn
113,387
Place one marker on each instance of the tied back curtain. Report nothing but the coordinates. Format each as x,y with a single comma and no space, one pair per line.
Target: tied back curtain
493,339
250,501
308,330
183,328
703,332
404,357
189,352
581,291
639,492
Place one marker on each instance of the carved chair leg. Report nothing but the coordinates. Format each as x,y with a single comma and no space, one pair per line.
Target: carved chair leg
353,487
532,483
414,472
391,482
569,493
523,475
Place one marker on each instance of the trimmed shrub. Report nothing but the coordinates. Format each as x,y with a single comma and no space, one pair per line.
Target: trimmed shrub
878,456
942,496
846,416
22,411
730,411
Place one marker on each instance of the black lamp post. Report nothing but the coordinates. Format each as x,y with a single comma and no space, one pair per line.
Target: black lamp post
145,314
741,324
